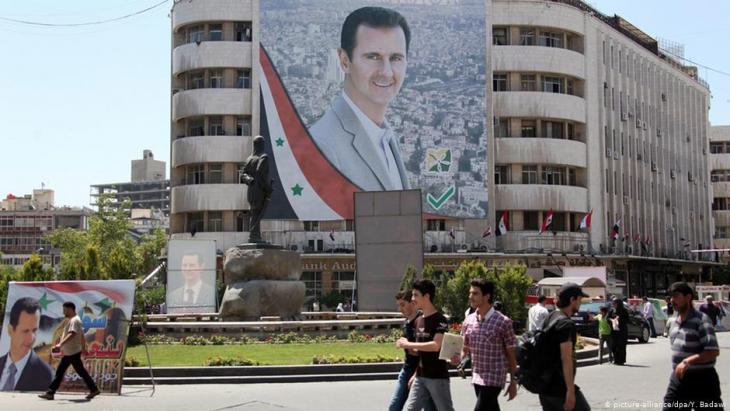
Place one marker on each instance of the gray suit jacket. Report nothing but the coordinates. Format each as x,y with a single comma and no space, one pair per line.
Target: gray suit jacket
36,375
343,140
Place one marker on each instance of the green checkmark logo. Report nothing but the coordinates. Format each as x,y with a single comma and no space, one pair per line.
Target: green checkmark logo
439,202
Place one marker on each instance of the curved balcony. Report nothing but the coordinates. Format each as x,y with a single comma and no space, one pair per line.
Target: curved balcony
541,197
539,59
194,56
208,197
531,241
211,101
538,13
223,239
722,217
721,189
539,104
210,149
541,151
188,12
719,162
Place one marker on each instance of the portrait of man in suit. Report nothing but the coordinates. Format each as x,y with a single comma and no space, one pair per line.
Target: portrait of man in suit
194,292
353,134
20,368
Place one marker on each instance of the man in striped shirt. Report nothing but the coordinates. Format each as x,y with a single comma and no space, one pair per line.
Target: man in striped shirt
694,383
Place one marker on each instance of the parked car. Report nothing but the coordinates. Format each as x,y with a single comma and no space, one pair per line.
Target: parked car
588,326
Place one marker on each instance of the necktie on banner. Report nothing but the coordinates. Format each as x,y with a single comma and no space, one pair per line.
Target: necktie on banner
10,383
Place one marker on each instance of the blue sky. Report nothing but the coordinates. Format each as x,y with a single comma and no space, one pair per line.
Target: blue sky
78,104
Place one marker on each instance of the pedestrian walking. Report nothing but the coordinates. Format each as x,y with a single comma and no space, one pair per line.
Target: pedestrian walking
536,315
71,346
694,383
604,334
490,340
710,309
620,336
648,310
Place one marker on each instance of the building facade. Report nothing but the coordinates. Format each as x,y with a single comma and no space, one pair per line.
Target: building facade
720,178
215,113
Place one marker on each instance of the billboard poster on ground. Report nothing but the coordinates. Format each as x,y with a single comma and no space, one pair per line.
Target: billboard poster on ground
191,276
34,321
372,96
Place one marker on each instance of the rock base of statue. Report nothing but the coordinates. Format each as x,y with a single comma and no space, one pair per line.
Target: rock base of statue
262,280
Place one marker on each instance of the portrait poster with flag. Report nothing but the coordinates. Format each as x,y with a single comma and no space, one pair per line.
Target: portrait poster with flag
420,122
105,309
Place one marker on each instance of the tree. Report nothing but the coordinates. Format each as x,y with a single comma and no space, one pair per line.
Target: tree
7,274
33,270
455,295
406,283
512,284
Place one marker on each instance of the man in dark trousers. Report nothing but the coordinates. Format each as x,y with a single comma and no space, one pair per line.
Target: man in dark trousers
621,336
71,346
694,383
562,393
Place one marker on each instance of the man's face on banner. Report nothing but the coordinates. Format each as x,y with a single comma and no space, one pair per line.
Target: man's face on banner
22,336
191,268
377,68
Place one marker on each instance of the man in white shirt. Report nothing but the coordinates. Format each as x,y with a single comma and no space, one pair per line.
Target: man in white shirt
353,133
648,311
537,314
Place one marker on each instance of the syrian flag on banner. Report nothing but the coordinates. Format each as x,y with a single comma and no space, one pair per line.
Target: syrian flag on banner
616,229
486,233
502,226
548,221
452,234
585,223
332,234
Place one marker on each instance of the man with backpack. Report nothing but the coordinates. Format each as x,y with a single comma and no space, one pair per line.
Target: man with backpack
547,357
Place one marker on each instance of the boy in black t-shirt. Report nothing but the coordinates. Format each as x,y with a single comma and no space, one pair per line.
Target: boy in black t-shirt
563,394
432,376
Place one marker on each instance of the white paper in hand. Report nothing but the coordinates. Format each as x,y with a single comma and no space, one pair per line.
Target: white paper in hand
451,345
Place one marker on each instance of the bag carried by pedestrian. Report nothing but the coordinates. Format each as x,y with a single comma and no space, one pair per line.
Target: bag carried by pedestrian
536,370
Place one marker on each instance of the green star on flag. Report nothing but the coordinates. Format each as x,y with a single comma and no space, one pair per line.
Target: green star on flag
44,302
104,304
279,142
297,190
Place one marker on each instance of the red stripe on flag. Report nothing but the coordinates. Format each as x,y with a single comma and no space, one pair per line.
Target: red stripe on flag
76,287
334,188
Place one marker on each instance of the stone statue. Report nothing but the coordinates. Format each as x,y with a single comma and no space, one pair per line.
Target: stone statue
256,176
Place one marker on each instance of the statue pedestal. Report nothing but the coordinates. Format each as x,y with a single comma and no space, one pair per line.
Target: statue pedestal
261,280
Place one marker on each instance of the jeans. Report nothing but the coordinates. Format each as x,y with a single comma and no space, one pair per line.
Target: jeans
652,328
556,403
487,398
437,389
609,344
78,365
695,387
401,390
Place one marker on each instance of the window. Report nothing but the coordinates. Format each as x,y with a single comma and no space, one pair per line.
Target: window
243,126
552,129
570,88
502,175
528,82
215,173
572,178
195,34
349,225
499,36
313,284
196,80
215,32
244,79
195,127
717,148
549,39
722,232
436,225
243,31
529,128
216,79
552,84
553,175
501,127
499,82
195,174
529,174
242,221
558,222
531,221
717,176
527,37
215,126
195,222
311,226
215,221
571,131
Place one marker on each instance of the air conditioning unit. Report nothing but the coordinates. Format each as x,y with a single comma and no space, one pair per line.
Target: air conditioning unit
645,125
631,115
690,177
672,174
626,200
609,153
658,132
704,151
653,166
624,116
688,139
639,156
674,210
638,123
605,84
615,154
664,97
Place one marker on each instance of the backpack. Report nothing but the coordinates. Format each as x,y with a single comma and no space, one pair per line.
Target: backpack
536,370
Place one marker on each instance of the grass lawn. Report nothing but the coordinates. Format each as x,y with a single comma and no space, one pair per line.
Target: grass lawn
268,354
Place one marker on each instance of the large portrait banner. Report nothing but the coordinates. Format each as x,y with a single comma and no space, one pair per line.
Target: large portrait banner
191,266
33,322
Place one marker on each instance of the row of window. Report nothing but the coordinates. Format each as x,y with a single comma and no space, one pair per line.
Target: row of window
216,78
722,232
717,176
535,128
720,204
242,31
212,221
215,126
23,242
534,82
533,220
36,221
532,36
720,148
537,174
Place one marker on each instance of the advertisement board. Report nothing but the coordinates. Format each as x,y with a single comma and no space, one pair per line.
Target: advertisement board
191,276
